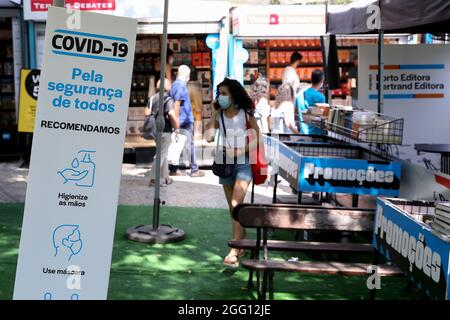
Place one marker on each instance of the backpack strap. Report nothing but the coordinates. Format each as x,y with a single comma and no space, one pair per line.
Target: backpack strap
150,105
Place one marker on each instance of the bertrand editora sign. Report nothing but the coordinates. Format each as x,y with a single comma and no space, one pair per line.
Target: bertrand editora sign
71,201
416,89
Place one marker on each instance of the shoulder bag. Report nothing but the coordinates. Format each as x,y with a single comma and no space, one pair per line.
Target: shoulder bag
220,166
257,157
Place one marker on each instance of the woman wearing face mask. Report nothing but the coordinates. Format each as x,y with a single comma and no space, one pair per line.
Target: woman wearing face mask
234,110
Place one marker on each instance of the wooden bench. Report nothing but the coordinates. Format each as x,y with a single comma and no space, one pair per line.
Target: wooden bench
297,217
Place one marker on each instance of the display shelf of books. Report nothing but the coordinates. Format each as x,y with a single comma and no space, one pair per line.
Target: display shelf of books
357,124
441,223
187,49
280,52
256,65
347,51
7,91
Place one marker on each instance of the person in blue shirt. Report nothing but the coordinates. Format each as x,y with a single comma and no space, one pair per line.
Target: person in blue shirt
183,109
308,98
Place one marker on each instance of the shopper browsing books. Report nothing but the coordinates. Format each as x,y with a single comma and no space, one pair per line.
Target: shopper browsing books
282,115
183,109
290,75
234,109
311,96
170,124
260,95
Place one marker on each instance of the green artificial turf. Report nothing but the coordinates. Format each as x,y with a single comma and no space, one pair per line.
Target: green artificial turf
191,269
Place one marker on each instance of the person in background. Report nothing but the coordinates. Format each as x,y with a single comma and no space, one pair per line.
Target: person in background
290,75
170,124
195,94
260,96
234,109
352,83
169,64
194,88
183,110
312,95
282,115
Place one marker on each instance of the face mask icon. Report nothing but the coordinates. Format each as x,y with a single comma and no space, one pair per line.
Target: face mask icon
67,241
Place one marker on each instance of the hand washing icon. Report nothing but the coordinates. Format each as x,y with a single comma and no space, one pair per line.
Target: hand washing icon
82,172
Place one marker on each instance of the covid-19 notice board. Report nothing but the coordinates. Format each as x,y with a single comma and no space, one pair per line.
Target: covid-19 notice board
73,185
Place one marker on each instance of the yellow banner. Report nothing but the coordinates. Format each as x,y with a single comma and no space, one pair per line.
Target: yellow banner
29,89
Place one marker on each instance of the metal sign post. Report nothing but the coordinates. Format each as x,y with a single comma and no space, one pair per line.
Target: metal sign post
157,233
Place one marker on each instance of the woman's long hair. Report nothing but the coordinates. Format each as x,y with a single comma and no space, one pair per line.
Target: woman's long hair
239,95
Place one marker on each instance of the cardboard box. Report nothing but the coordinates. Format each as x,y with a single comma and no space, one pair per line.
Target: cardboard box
305,56
155,45
319,57
192,44
201,45
147,45
279,73
273,57
138,48
272,73
174,45
184,45
253,56
288,55
197,59
177,59
206,59
262,57
281,57
187,58
250,43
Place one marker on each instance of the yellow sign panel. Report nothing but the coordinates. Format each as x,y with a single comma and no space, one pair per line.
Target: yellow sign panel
29,89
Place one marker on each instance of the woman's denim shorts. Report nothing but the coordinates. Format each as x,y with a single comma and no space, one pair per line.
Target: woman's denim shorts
240,172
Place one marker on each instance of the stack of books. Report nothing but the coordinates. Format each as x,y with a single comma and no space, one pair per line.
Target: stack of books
441,222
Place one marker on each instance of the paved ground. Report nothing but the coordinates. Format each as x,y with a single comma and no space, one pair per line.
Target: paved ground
202,192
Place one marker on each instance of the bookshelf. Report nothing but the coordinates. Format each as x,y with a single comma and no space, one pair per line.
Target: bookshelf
7,90
190,50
